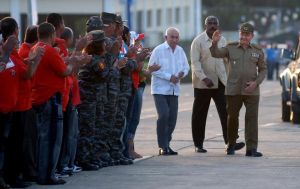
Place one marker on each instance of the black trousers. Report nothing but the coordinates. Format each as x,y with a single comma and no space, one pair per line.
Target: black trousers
202,99
13,162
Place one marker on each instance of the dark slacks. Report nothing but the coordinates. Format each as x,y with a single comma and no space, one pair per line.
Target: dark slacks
167,109
202,99
5,124
14,157
234,104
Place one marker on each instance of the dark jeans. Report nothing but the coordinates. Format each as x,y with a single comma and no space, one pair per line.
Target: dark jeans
70,137
271,66
202,99
167,109
50,130
136,111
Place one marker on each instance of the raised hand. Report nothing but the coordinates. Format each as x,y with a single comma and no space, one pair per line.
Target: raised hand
216,36
82,42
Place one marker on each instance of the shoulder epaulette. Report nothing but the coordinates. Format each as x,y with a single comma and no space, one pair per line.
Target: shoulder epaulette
233,43
256,46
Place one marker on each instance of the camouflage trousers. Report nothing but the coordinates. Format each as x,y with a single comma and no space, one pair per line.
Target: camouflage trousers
110,109
118,128
91,143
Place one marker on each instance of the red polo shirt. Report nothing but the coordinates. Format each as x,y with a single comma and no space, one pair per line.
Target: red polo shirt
9,81
48,78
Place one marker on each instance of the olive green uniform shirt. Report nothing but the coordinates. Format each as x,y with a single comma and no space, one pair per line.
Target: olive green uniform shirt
244,65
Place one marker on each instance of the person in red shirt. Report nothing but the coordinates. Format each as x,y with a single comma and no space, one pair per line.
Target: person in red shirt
47,89
66,165
25,114
13,79
70,100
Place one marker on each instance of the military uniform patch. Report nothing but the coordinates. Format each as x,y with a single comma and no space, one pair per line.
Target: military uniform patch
255,55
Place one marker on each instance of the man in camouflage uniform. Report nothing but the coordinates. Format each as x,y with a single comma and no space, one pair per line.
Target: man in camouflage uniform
113,88
93,91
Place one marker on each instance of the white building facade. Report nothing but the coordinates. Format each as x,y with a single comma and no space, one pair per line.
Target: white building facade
151,17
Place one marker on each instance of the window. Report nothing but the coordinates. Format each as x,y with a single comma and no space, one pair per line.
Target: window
158,17
139,21
186,14
149,18
169,16
177,15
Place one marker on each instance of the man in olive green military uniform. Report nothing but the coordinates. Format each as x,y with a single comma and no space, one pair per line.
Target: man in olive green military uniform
246,71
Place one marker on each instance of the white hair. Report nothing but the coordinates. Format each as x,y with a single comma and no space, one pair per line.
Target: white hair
171,29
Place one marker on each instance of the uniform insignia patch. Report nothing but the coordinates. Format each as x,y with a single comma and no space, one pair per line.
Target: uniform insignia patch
255,55
101,65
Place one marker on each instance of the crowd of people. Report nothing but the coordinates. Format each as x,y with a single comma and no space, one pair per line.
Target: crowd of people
65,111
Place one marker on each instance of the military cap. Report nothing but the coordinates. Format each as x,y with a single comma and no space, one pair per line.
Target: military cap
119,19
98,35
108,18
247,27
94,23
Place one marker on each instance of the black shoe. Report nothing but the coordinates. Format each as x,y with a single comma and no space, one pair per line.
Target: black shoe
104,164
124,161
19,184
3,185
116,162
89,167
29,178
200,150
253,153
53,182
230,150
99,163
239,145
108,162
172,152
163,152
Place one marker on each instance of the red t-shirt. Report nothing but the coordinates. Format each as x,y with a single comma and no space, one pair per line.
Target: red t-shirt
24,50
24,92
9,82
48,78
63,52
135,78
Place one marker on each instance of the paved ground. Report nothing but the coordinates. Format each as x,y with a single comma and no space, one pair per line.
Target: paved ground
278,168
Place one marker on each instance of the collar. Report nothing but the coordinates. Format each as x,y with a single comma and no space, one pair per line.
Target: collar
206,37
167,46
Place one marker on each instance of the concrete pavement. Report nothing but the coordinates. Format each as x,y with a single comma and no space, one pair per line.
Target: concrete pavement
278,168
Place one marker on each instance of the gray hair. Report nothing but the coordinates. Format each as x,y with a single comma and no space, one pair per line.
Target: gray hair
211,18
171,29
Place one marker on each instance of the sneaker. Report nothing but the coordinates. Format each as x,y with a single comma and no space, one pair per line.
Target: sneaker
62,174
76,169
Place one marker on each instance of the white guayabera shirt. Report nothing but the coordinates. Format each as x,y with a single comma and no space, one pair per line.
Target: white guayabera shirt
172,63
